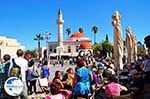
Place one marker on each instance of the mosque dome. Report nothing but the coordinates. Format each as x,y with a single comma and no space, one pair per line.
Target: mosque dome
85,45
77,35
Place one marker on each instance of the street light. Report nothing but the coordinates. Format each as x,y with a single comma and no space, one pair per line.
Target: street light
47,37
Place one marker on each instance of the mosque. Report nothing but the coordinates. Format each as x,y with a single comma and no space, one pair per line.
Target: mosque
70,47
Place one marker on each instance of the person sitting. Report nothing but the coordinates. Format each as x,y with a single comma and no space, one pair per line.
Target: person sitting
146,69
58,82
97,83
137,84
68,79
55,92
98,76
113,88
138,66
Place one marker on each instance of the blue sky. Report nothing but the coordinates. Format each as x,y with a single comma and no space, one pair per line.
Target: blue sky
23,19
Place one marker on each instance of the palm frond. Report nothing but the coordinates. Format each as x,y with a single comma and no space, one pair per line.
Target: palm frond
37,35
41,38
35,39
95,29
81,30
68,31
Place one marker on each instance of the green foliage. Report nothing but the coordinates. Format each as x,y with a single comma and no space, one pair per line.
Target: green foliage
97,49
147,42
81,30
106,48
32,52
95,29
102,48
39,37
106,37
141,51
68,31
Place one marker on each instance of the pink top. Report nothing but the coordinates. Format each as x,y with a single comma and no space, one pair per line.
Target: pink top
112,89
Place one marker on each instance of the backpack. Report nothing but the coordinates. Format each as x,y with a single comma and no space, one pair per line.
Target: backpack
15,70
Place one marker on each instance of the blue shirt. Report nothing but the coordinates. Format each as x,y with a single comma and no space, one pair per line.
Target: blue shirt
45,71
82,86
83,74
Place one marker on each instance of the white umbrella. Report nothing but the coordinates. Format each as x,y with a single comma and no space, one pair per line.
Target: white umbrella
134,42
129,45
118,42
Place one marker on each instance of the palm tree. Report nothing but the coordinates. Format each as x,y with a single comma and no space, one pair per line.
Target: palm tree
68,31
38,38
106,39
95,30
81,30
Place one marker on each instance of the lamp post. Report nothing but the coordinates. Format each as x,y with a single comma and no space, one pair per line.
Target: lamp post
47,37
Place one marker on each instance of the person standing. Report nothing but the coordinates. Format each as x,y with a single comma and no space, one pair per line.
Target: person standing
62,62
23,64
68,79
4,67
146,69
32,76
82,79
45,73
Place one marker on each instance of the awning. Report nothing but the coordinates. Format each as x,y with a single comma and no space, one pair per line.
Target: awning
59,54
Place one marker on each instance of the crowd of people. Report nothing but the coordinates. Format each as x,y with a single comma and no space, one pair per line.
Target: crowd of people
95,78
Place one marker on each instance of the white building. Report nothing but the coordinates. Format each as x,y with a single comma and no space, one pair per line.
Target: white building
9,46
69,47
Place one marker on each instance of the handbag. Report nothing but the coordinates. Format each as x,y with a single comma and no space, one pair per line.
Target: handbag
35,74
43,82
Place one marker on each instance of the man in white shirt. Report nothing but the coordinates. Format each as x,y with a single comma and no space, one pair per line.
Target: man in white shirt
23,63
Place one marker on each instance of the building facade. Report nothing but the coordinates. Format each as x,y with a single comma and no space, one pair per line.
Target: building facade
70,47
9,46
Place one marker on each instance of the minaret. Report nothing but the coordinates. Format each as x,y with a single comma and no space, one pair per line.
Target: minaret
60,23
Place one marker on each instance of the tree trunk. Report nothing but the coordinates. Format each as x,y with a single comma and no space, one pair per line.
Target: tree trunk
39,50
94,38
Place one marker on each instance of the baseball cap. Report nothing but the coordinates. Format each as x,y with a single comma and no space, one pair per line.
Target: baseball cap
100,65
